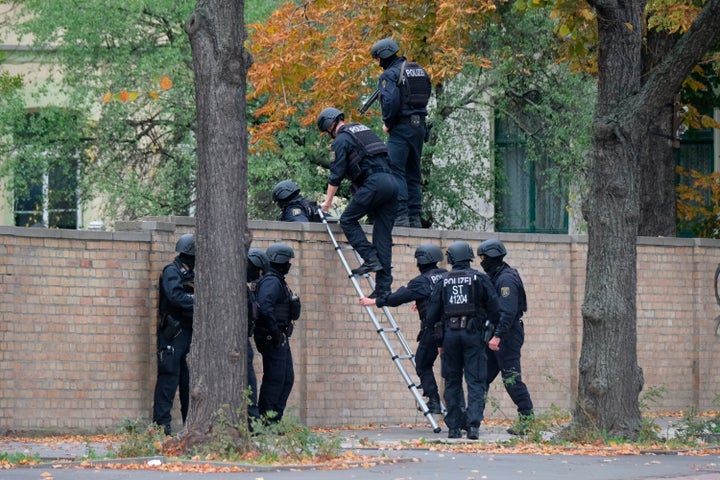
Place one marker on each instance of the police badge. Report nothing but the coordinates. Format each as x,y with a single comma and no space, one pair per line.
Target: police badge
504,291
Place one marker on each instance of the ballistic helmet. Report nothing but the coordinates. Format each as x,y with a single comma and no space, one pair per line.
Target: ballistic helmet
284,190
279,253
258,259
428,254
186,244
459,252
384,49
327,117
492,248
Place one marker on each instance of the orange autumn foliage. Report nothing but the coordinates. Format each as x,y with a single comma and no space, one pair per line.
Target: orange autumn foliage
317,53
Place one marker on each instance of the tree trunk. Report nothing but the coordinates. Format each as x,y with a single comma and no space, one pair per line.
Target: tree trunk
218,366
658,217
610,377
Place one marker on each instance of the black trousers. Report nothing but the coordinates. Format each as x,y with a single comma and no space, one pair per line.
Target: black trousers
278,377
377,197
507,362
172,373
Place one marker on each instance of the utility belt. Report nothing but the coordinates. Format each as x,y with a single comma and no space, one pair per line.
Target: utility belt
415,120
458,323
286,329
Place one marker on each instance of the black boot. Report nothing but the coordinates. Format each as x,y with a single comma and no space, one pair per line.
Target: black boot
434,405
370,265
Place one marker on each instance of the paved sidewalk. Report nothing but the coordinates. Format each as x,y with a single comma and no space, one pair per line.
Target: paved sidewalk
383,443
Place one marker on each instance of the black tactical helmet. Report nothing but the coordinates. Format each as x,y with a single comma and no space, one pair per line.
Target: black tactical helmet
327,117
384,48
258,259
459,252
279,253
428,254
186,244
492,248
284,190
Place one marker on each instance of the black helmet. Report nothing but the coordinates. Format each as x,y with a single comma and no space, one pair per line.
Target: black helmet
279,253
428,254
327,117
384,48
492,248
284,190
459,252
258,259
186,244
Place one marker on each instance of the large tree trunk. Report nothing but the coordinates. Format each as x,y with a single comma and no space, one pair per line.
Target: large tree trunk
218,367
610,377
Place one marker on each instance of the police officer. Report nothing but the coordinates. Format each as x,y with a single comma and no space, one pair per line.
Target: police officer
176,301
418,290
257,265
359,155
509,334
293,206
405,89
463,302
278,308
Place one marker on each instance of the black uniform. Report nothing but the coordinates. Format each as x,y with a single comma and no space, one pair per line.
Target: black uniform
176,305
460,304
299,209
404,93
362,157
419,290
510,330
252,410
272,331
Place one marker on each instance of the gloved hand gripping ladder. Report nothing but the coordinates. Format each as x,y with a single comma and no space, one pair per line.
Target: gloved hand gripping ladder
397,359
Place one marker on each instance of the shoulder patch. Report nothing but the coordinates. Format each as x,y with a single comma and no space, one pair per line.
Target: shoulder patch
296,211
332,156
504,291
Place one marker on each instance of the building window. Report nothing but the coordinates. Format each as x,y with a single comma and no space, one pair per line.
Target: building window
526,200
48,198
45,173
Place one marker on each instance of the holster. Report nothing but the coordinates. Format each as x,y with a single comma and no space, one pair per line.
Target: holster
169,326
488,332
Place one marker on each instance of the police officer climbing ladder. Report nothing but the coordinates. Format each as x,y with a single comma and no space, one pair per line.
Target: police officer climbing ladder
383,332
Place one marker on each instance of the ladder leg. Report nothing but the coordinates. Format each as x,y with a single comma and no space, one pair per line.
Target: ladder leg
408,355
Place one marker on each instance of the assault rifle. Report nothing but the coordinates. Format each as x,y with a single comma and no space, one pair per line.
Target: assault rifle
369,102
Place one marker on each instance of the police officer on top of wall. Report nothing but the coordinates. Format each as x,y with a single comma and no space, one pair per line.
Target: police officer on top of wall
293,206
509,334
257,265
360,155
418,290
404,93
277,308
176,302
463,302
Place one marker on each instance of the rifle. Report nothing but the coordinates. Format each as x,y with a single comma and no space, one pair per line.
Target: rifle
369,102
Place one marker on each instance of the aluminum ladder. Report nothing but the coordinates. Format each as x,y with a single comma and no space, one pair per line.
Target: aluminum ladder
407,354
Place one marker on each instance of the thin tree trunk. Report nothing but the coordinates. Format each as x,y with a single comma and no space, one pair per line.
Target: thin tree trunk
218,367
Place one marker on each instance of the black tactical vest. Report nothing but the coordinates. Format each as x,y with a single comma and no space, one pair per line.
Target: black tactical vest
414,86
369,145
459,294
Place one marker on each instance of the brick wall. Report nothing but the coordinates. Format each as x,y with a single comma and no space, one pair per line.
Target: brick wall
77,316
